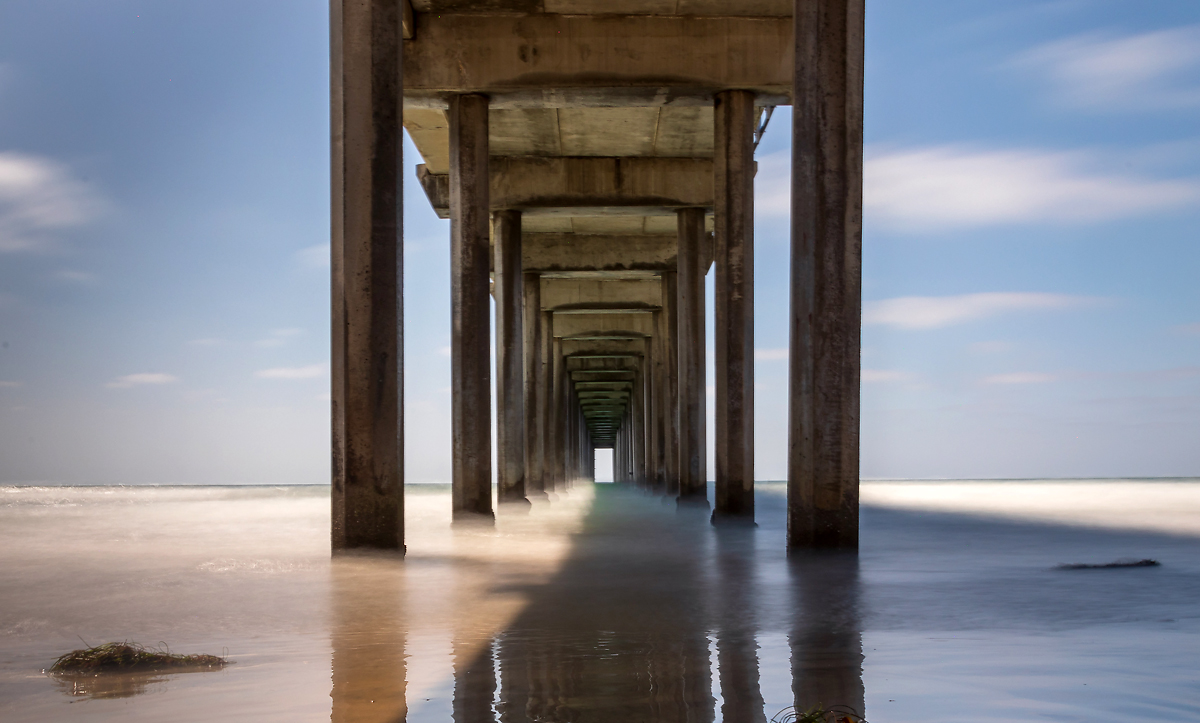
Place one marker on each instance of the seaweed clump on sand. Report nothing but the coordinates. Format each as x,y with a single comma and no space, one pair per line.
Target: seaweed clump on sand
129,657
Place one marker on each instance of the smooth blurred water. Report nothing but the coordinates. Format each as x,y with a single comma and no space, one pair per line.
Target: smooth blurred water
608,604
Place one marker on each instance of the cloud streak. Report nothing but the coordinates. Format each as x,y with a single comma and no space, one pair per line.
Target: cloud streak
951,187
312,371
1019,378
38,197
1147,71
136,380
935,312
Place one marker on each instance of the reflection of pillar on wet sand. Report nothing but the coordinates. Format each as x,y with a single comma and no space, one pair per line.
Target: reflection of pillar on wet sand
368,638
737,646
474,683
826,635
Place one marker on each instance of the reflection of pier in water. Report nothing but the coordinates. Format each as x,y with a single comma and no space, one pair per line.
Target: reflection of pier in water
642,621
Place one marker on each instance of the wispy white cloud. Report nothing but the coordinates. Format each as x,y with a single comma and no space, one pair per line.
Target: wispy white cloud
932,312
1188,329
443,350
134,380
278,337
37,197
314,257
1147,71
9,385
949,187
771,354
1019,378
207,341
878,376
312,371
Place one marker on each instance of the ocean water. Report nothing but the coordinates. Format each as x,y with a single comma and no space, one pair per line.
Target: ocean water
608,604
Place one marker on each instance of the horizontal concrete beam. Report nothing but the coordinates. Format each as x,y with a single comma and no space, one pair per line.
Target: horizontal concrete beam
630,325
665,56
627,362
593,294
603,375
572,186
603,386
588,253
752,8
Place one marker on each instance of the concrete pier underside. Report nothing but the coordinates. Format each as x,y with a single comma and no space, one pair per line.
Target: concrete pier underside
610,144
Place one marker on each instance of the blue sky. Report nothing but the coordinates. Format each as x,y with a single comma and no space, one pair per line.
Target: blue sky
1031,245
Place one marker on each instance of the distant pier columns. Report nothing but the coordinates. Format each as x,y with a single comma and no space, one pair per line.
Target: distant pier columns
691,381
733,167
470,375
509,291
366,98
826,274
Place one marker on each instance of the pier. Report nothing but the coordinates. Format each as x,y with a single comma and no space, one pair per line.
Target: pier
596,161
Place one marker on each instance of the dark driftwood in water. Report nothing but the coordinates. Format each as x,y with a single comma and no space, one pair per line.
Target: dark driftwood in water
1111,565
818,714
129,657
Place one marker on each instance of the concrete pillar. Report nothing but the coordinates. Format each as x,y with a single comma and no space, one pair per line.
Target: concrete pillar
690,297
532,299
546,405
638,426
470,376
670,303
557,417
733,185
661,399
366,98
510,358
826,296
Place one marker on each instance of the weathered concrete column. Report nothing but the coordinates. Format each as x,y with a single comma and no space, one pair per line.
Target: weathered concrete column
670,304
826,297
638,427
532,299
366,98
733,185
662,400
546,407
470,376
690,297
510,357
557,419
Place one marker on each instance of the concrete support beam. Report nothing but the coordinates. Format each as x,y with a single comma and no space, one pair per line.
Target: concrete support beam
546,401
470,376
532,321
532,56
633,325
670,311
661,420
647,186
734,305
826,284
597,294
591,253
690,297
366,275
558,415
509,287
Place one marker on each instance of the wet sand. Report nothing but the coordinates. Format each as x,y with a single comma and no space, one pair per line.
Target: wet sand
609,605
